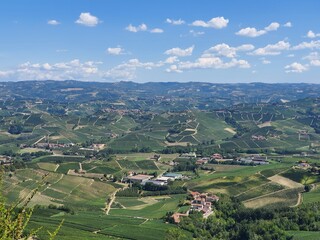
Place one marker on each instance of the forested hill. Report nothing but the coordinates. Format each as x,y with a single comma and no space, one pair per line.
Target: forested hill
192,94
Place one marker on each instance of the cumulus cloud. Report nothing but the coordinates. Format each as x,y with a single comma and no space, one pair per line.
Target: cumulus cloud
272,27
250,32
173,68
253,32
141,28
180,52
307,45
287,24
156,30
53,22
311,34
175,22
208,61
115,51
315,62
296,68
271,49
226,51
217,23
74,69
88,20
171,60
127,70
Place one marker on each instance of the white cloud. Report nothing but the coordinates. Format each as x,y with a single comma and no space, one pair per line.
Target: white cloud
141,28
287,24
271,49
175,22
307,45
195,33
127,70
253,32
171,60
312,56
264,61
217,23
311,34
250,32
272,27
208,62
315,62
226,51
214,63
58,71
88,20
5,74
180,52
53,22
173,68
115,51
156,30
296,68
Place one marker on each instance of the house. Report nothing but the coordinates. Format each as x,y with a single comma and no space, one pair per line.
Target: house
139,178
202,202
202,161
176,216
173,175
164,179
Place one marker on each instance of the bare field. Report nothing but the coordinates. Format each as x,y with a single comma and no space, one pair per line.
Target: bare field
285,181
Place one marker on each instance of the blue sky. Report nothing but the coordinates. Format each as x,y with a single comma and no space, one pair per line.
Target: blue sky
160,40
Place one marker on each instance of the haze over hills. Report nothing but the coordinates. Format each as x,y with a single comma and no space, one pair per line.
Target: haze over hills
199,95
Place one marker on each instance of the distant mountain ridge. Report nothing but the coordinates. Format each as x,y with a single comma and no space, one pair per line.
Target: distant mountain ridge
197,94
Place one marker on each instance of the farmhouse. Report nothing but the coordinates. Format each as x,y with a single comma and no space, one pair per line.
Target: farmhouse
138,178
255,159
173,176
164,179
202,161
202,202
176,216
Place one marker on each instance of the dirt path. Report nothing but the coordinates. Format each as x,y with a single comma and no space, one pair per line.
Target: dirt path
300,200
80,166
112,198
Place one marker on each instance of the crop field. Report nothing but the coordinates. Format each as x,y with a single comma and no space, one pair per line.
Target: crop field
313,195
57,189
301,176
282,198
51,167
94,225
65,167
153,207
305,235
59,159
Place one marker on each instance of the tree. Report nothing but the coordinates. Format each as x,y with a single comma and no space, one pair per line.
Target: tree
175,234
15,129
